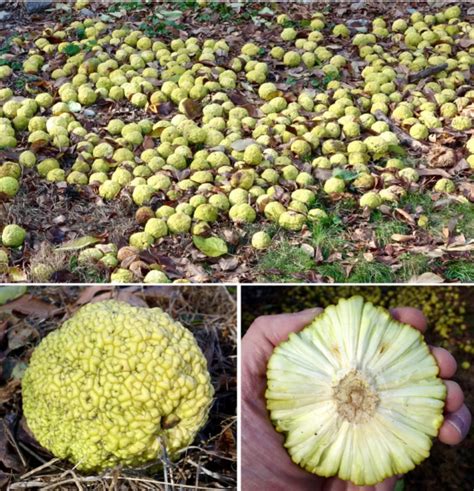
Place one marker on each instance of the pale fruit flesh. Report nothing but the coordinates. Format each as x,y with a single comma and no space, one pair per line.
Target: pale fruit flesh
356,393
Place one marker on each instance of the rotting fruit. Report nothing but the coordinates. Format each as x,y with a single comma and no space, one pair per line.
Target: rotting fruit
117,385
356,393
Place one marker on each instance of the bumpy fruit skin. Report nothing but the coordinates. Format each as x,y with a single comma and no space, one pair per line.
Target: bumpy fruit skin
261,240
9,186
334,185
114,384
356,394
445,186
290,220
242,213
13,236
253,155
370,200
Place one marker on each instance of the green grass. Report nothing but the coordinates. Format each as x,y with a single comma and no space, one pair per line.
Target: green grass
413,265
371,272
283,262
334,271
385,229
328,235
464,212
462,271
411,201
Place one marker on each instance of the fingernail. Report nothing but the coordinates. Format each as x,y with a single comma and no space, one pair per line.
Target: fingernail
314,311
460,420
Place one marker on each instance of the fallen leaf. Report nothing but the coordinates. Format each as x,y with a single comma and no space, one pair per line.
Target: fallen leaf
9,293
29,305
212,246
8,390
242,144
77,244
427,278
21,335
192,108
229,264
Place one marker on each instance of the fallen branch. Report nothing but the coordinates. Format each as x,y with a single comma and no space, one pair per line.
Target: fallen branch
405,138
427,72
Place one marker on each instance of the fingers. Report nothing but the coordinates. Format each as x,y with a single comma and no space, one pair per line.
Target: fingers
454,396
336,484
446,362
456,426
411,316
276,328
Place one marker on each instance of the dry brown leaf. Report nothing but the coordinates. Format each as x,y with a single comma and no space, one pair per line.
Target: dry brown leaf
29,305
430,278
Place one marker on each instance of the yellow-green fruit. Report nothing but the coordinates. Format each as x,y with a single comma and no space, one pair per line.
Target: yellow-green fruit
292,59
419,131
445,186
27,158
9,186
179,223
261,240
116,385
453,12
5,71
122,275
274,210
205,213
141,240
409,174
156,227
268,91
253,154
301,148
334,185
316,214
288,34
142,194
242,213
291,220
355,374
461,123
340,30
109,189
370,200
156,276
13,236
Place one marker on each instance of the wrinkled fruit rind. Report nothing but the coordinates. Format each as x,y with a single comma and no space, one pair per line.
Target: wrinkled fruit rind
116,385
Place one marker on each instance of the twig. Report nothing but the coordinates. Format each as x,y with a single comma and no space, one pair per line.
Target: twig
427,72
40,468
405,138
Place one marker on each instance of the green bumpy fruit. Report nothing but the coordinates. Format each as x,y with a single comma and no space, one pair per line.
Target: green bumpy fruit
261,240
9,186
13,236
290,220
242,213
117,385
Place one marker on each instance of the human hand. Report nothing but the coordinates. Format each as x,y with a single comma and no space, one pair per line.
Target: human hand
265,463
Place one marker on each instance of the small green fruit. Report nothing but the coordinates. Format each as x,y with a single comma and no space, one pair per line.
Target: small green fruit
13,236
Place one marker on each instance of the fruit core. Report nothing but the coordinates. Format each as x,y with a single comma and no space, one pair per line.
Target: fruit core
356,401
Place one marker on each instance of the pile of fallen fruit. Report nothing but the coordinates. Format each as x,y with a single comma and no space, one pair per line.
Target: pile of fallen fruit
193,154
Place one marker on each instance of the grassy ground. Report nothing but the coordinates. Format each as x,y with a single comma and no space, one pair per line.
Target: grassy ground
210,463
